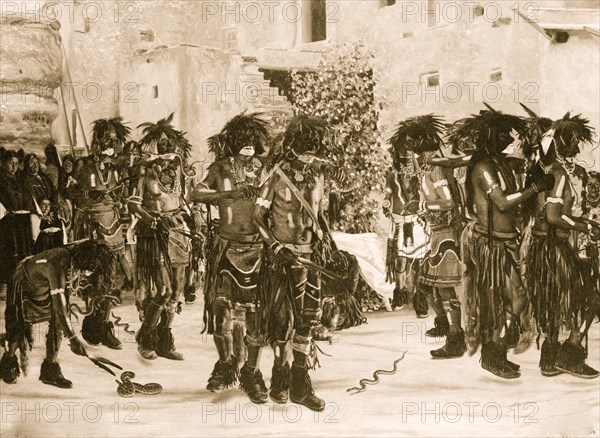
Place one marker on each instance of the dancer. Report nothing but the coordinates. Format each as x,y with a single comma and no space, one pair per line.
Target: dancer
97,216
42,286
234,256
440,270
493,288
163,231
288,214
408,242
562,292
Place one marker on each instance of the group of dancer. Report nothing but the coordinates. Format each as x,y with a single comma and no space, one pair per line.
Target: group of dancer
264,254
262,257
496,244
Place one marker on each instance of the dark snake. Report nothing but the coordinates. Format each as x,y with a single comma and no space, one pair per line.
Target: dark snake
124,325
127,388
375,380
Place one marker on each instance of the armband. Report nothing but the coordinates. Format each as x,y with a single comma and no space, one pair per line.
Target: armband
440,183
568,220
514,196
263,203
135,200
57,291
554,201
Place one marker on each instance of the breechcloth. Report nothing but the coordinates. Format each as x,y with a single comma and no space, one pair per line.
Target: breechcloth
25,305
159,251
441,267
233,269
292,296
492,279
560,289
100,223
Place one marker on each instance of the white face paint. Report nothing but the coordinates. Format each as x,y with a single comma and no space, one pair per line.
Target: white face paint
248,151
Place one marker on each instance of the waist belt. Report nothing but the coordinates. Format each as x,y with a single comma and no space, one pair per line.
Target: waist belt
404,219
561,235
242,238
306,248
496,234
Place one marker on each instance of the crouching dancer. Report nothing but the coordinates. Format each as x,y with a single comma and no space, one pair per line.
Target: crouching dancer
40,292
234,257
287,214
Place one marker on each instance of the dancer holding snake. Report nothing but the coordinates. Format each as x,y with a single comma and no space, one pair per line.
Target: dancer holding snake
234,257
288,213
163,246
42,286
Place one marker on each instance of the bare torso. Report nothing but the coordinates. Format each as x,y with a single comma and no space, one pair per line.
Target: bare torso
290,222
235,213
485,176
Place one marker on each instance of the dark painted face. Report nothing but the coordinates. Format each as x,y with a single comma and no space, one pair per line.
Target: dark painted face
109,145
68,166
164,146
567,147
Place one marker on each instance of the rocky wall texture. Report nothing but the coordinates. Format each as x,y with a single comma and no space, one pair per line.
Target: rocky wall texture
30,72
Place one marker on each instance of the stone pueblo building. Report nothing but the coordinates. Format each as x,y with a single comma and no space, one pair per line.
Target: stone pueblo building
207,61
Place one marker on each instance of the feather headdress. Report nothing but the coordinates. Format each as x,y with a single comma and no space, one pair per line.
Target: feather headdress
153,132
419,134
572,129
490,130
306,134
241,131
536,127
102,127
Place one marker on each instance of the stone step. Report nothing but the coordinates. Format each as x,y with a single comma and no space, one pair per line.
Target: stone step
252,77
